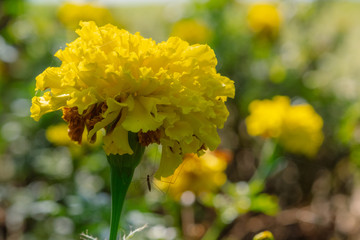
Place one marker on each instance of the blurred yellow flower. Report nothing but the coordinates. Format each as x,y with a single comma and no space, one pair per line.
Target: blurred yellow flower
302,130
266,116
264,18
192,31
197,174
298,128
58,134
70,14
168,93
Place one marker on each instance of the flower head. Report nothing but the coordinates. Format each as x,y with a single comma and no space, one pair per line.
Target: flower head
192,31
70,14
266,116
298,128
301,130
264,18
168,93
197,174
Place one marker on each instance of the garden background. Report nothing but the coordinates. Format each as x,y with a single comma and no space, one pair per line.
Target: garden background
308,51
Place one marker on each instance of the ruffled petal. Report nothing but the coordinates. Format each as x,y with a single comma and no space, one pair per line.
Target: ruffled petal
46,103
171,158
82,99
142,116
117,141
50,78
179,130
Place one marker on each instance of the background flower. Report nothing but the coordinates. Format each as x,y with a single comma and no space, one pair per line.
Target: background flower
266,116
298,128
70,14
301,130
264,18
192,31
58,134
199,175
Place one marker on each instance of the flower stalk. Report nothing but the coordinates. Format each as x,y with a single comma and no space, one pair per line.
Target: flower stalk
269,160
122,169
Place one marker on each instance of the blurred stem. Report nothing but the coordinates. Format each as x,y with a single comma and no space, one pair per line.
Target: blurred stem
187,220
269,160
215,230
122,169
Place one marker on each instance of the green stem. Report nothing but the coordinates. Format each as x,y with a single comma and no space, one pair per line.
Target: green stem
269,161
122,169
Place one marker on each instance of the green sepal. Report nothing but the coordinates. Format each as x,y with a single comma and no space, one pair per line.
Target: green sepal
122,169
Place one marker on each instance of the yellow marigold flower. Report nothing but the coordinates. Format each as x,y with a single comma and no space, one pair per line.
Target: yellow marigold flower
197,174
266,116
192,31
70,14
298,128
169,93
264,18
302,130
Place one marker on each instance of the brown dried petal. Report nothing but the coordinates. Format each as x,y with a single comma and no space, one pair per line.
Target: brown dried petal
94,116
76,123
149,137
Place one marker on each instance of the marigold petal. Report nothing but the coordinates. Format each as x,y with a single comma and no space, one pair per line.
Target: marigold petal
46,103
204,55
50,78
210,136
204,130
39,107
82,99
179,130
142,116
170,160
192,145
117,141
